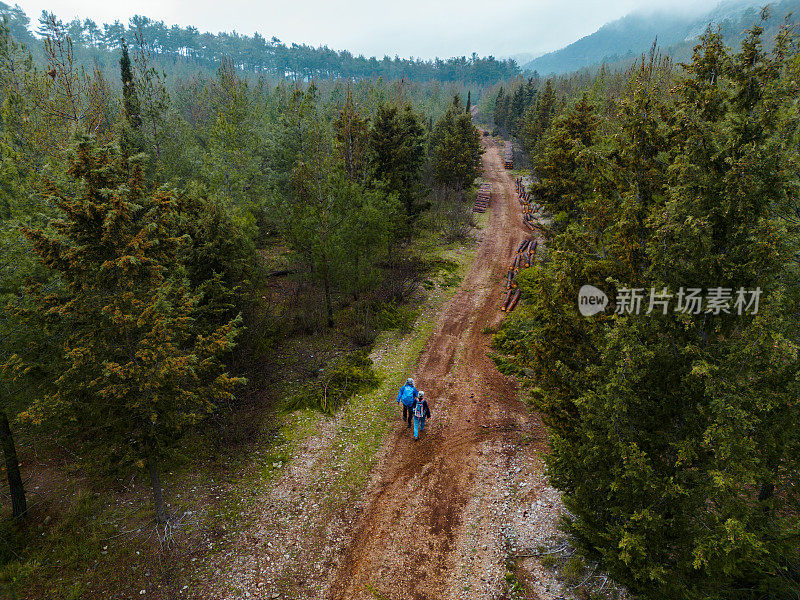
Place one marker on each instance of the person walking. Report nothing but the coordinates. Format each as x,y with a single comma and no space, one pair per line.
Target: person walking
421,412
407,395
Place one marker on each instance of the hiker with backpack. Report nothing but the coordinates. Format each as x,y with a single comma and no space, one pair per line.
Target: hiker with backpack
407,395
421,412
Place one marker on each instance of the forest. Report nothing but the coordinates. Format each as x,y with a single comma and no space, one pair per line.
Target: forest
222,255
673,434
186,50
145,223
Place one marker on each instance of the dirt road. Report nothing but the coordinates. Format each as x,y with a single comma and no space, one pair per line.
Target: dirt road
406,541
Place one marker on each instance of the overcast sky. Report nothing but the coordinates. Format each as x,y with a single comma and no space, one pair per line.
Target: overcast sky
420,28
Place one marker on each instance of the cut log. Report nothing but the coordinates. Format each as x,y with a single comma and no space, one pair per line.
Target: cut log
514,300
507,301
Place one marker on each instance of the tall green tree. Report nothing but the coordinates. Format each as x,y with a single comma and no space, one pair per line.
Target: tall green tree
129,97
673,433
563,167
455,150
397,140
232,163
339,227
135,372
352,139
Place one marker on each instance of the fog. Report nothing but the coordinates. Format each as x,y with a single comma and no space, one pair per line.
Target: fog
418,28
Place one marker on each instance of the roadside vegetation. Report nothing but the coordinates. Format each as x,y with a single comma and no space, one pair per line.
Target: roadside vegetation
187,263
673,432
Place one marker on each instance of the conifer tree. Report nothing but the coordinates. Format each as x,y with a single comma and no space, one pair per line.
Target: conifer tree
340,228
455,149
129,96
673,433
352,136
563,177
397,143
135,372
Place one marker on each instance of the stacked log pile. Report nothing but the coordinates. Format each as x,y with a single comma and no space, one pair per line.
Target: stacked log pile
509,155
528,208
523,258
483,197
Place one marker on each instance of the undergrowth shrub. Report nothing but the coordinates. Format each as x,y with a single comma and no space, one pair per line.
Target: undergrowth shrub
338,380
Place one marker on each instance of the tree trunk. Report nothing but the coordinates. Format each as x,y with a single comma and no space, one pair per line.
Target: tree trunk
19,505
328,304
766,492
155,484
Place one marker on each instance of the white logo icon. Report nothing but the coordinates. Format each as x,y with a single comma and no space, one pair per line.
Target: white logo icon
591,300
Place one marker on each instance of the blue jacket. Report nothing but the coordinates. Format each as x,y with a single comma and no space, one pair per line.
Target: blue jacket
407,395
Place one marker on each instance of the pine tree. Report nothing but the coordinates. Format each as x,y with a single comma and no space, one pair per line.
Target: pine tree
397,144
136,374
233,158
537,119
338,227
455,149
129,97
352,131
562,169
674,435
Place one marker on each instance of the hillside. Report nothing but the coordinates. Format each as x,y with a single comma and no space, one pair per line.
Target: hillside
621,40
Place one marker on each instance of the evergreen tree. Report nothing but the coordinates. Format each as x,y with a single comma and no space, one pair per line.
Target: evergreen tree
233,158
397,143
129,98
338,227
455,149
537,119
673,434
352,137
135,372
500,109
564,179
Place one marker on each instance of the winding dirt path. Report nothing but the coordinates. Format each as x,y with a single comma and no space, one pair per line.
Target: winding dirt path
405,543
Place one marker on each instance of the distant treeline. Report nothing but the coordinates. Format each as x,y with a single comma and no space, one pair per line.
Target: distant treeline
257,54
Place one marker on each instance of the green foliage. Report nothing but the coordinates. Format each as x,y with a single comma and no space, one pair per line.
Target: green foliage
352,140
182,48
133,260
133,367
232,163
339,380
455,149
573,570
537,118
397,143
401,318
563,180
510,107
129,97
28,556
673,436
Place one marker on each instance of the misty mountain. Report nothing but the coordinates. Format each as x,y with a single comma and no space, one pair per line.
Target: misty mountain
624,39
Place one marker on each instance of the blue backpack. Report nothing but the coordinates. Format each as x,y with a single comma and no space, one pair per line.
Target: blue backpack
407,395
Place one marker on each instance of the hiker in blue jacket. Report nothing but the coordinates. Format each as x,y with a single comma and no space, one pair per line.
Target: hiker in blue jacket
421,411
407,395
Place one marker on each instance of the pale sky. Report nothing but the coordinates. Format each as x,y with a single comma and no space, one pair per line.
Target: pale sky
419,28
